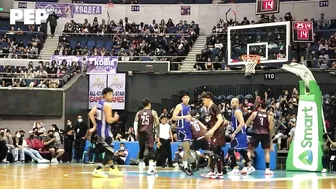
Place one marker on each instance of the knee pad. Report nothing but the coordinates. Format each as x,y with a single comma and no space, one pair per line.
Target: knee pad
151,154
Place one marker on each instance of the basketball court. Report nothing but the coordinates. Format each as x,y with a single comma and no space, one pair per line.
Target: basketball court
73,176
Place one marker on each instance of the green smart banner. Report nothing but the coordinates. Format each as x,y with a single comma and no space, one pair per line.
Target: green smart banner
306,150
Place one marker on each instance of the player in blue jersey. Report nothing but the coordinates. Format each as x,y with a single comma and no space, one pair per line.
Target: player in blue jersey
239,140
101,118
182,115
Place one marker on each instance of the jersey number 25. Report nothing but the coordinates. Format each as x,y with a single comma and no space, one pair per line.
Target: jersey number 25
145,120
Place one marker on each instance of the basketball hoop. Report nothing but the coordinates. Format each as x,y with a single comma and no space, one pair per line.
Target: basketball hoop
251,62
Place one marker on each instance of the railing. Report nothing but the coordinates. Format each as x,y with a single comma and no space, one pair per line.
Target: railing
128,34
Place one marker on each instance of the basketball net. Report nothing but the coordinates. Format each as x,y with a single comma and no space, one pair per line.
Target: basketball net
251,62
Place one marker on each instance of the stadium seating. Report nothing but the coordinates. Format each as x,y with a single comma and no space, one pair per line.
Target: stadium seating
149,1
175,41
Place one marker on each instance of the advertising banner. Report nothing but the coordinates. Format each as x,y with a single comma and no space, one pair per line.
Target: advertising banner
69,59
118,84
98,82
62,10
87,9
102,64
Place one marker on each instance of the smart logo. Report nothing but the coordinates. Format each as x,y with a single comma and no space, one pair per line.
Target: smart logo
306,137
306,157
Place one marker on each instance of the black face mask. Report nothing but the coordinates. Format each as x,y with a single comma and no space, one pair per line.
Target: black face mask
31,136
180,149
51,136
22,136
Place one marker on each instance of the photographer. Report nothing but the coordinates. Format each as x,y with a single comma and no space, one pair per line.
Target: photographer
329,154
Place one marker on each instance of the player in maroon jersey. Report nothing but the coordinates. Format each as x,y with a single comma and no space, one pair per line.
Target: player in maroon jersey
144,121
216,134
263,124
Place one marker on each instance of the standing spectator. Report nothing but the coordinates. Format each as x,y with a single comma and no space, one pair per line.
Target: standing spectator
68,140
50,145
17,142
3,147
120,155
52,19
57,135
81,135
164,140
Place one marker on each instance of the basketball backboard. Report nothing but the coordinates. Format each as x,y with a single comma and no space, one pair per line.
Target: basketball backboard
267,6
271,41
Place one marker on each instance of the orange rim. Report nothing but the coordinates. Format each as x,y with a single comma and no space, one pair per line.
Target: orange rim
253,57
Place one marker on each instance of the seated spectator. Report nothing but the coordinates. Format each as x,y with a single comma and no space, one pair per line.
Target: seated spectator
34,154
50,145
120,138
3,147
10,145
40,128
18,141
120,155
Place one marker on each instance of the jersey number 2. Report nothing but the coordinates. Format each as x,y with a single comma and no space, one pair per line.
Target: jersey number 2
145,120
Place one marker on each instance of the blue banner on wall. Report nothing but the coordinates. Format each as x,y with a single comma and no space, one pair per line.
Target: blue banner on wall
87,9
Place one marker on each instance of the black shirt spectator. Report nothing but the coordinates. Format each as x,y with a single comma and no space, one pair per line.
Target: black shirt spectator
81,134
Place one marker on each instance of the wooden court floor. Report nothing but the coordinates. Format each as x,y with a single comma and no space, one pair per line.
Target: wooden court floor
78,176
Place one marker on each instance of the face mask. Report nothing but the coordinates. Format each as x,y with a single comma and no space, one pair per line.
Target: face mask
22,135
80,120
180,149
122,148
51,136
18,135
31,136
69,123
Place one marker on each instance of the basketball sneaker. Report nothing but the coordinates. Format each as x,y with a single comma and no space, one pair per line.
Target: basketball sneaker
151,172
115,171
324,170
99,173
217,176
235,171
187,171
268,171
142,166
208,175
247,170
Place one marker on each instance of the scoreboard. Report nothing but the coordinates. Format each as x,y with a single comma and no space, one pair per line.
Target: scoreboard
302,31
267,6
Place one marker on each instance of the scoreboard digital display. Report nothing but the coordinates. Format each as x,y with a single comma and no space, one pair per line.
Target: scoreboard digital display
303,31
267,6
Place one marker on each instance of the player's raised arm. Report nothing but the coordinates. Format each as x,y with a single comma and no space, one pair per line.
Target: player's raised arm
135,124
239,116
108,114
176,112
92,117
251,118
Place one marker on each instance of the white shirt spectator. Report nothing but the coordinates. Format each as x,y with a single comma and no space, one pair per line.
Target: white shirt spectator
124,151
325,46
219,45
165,131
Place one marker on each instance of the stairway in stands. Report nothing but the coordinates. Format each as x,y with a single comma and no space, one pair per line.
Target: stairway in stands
189,62
50,45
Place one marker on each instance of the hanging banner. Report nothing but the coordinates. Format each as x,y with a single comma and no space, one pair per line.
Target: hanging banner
118,83
62,10
69,59
87,9
102,64
96,84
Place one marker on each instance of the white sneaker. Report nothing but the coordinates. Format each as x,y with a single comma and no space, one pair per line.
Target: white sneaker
234,171
45,161
244,171
151,172
54,160
217,176
324,170
208,175
142,166
250,170
268,172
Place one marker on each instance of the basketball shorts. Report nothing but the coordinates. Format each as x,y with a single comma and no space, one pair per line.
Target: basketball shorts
218,138
200,144
183,135
105,144
239,142
146,138
264,139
